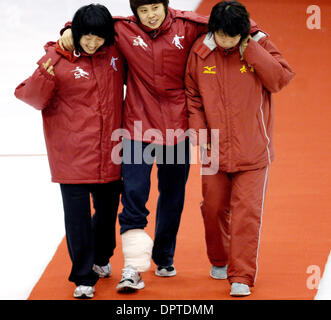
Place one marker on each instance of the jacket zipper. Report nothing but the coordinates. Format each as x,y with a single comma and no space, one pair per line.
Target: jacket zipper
227,130
101,121
227,114
159,96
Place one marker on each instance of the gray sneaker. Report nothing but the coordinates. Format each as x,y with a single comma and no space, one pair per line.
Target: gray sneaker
239,289
131,280
84,292
169,271
219,273
103,272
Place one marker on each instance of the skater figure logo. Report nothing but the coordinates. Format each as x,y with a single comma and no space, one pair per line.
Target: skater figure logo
139,41
176,41
113,63
80,73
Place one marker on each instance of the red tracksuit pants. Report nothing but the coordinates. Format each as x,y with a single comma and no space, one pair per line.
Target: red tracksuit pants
232,210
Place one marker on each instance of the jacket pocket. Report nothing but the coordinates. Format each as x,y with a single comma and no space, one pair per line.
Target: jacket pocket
174,63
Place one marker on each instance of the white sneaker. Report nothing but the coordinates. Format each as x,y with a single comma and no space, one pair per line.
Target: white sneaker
131,280
239,289
166,271
219,273
103,272
84,292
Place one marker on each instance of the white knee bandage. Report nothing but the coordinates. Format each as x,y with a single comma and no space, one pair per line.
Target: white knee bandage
137,249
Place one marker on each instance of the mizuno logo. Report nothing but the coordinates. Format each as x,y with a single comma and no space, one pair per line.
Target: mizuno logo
209,70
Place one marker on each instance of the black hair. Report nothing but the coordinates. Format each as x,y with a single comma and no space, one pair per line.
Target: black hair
231,17
134,4
93,19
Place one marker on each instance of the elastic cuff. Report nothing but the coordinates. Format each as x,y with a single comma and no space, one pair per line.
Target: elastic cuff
241,280
218,263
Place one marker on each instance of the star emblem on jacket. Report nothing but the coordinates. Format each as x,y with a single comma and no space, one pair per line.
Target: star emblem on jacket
244,69
139,42
80,73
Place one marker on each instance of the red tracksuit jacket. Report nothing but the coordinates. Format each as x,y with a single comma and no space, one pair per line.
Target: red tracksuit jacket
81,107
234,96
156,69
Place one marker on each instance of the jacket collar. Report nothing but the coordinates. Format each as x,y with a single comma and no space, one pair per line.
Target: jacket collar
210,42
153,33
73,56
209,45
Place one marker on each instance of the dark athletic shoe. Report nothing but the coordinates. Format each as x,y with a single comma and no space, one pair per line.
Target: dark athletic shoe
169,271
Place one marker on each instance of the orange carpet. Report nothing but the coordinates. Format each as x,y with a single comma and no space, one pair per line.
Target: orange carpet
296,229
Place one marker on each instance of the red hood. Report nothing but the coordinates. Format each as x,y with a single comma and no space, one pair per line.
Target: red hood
172,14
72,56
188,15
69,55
165,25
254,26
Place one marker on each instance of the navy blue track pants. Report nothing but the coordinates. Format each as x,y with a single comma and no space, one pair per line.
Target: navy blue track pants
90,240
173,163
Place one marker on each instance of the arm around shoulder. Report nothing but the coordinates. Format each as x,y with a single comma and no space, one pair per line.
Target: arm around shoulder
196,112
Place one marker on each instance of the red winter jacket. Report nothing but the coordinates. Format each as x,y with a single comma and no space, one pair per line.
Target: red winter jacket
81,107
156,69
234,96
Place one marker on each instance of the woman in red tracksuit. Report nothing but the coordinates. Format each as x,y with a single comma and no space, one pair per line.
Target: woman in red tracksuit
229,80
80,94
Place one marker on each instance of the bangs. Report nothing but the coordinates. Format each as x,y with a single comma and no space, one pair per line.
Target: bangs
231,17
137,3
93,24
93,19
231,26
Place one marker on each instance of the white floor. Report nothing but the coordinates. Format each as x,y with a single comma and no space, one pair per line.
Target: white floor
31,225
324,291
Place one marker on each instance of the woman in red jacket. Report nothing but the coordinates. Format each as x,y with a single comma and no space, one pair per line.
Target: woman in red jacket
230,77
80,94
156,42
